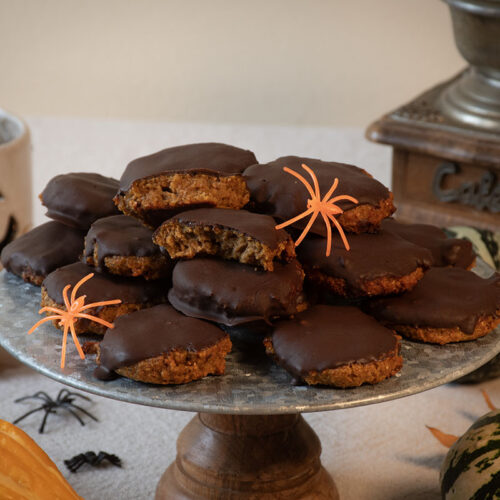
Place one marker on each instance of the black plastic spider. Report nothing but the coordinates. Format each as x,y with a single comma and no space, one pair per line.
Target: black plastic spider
64,400
73,464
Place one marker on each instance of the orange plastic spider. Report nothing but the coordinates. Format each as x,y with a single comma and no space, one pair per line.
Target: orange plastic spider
317,205
74,310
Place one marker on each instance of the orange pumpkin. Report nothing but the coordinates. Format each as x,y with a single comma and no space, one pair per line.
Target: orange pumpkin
26,471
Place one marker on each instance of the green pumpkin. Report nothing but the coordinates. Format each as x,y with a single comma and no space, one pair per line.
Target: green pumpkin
471,470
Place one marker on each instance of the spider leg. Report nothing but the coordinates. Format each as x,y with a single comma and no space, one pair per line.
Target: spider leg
48,411
295,219
333,187
62,394
105,303
343,197
63,397
65,338
22,417
79,464
46,399
79,284
94,318
301,179
83,410
24,398
341,231
112,459
73,464
75,340
65,297
37,324
333,209
43,396
315,180
52,309
79,395
73,413
306,230
328,234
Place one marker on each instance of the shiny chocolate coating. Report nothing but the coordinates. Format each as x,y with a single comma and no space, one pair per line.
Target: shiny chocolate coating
325,337
371,257
232,294
445,251
152,332
43,249
280,194
79,199
104,286
257,226
444,298
208,158
119,235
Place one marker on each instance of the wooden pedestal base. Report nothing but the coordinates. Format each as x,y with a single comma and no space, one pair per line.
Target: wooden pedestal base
247,457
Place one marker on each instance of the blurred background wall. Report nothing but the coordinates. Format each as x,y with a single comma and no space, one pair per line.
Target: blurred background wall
295,62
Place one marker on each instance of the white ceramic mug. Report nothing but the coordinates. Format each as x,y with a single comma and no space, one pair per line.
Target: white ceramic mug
15,178
15,188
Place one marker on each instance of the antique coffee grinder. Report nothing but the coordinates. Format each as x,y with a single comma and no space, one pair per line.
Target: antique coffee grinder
446,156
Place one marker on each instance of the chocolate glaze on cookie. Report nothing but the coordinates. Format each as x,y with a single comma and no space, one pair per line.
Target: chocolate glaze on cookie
78,199
119,235
371,256
326,337
257,226
277,193
149,333
445,251
444,298
104,286
232,294
43,249
208,158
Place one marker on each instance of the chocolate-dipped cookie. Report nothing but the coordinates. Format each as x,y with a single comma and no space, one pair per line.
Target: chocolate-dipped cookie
445,251
277,193
335,345
376,264
78,199
122,245
447,305
231,234
154,187
162,346
42,250
233,294
135,294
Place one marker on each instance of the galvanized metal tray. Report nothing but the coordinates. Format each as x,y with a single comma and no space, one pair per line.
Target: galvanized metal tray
252,384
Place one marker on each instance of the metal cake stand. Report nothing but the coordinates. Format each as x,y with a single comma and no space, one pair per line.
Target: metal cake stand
249,440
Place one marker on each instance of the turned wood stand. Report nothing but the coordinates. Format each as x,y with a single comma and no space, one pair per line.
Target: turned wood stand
256,457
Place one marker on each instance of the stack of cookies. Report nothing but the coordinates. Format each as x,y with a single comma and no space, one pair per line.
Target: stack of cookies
125,262
74,202
232,267
198,230
411,278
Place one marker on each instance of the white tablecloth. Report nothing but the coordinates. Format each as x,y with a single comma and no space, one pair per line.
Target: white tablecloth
379,452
